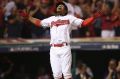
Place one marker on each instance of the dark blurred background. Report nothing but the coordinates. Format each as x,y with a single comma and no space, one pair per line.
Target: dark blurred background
36,65
98,64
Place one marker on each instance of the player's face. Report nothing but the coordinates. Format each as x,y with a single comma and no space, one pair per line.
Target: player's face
61,9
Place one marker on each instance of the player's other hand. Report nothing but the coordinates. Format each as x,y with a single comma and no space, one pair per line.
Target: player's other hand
98,14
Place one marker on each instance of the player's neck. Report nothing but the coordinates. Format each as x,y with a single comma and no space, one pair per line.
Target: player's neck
61,14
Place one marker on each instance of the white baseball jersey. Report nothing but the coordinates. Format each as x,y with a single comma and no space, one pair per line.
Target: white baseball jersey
60,27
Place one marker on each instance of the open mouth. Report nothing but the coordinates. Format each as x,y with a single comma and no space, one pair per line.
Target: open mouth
59,9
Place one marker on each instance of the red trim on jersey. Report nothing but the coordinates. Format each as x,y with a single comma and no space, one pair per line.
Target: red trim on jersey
38,22
88,21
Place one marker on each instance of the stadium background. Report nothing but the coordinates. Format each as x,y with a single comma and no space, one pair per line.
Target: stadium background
21,58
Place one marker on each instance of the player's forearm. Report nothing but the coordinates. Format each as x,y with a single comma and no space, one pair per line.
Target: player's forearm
87,21
90,20
35,21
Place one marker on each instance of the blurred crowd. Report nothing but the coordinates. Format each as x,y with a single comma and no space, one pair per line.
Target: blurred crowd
113,69
83,71
13,25
11,69
15,70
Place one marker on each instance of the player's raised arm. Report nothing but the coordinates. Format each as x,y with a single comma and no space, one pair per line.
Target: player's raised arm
35,21
88,21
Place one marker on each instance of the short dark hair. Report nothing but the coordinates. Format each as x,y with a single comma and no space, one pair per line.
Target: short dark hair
62,3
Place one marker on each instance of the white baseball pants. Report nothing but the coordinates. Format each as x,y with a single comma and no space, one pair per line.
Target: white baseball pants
61,60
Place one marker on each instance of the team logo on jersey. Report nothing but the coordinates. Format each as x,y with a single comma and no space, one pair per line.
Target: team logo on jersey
60,22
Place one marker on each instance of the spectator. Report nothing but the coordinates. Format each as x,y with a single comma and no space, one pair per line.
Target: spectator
76,11
21,73
86,7
76,72
117,16
107,25
96,6
14,27
108,20
52,7
82,4
83,74
2,26
20,5
6,66
42,74
3,3
40,11
23,6
112,73
10,8
97,27
26,29
20,8
118,70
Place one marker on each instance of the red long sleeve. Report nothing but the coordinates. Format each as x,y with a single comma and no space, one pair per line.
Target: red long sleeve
37,22
88,21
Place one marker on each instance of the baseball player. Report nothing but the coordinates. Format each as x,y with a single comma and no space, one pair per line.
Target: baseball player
60,28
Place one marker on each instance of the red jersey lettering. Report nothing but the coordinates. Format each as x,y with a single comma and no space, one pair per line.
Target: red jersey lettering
60,22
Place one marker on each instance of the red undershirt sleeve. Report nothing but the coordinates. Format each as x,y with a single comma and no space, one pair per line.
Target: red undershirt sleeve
87,21
37,22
